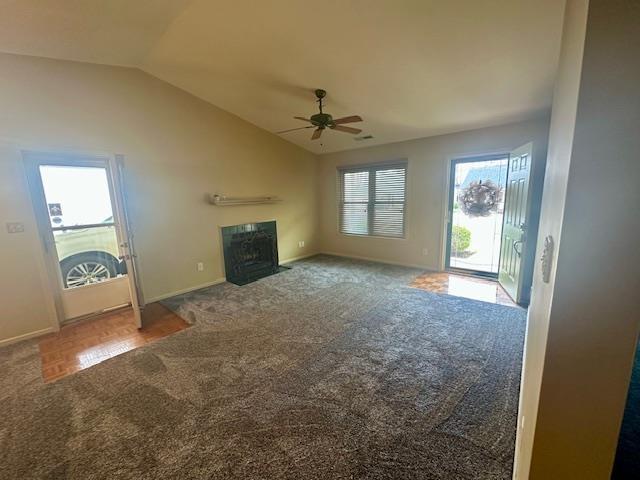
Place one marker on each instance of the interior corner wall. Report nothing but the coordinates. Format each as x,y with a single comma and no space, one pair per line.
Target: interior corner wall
592,321
563,119
427,180
177,150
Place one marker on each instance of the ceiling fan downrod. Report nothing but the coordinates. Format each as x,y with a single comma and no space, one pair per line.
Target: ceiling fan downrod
320,94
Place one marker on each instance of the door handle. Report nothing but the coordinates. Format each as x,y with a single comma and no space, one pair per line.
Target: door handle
515,247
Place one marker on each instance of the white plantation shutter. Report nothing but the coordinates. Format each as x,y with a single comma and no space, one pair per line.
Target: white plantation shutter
372,200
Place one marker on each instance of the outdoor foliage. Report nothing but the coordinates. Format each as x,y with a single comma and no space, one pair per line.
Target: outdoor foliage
460,238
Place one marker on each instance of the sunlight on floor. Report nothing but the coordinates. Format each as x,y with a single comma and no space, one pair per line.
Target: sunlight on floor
463,286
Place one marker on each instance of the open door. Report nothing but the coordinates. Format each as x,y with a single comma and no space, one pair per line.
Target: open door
127,245
516,225
78,204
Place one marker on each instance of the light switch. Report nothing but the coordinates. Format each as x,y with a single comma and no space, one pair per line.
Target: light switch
15,227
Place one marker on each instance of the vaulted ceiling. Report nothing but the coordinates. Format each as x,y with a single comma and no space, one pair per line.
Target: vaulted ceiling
410,68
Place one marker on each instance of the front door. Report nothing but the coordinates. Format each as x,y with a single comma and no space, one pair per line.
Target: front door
79,216
476,203
515,224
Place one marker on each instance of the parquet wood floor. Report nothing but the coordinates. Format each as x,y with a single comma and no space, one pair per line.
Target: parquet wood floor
84,343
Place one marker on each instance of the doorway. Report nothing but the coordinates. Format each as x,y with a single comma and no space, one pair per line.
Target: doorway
493,211
476,209
79,207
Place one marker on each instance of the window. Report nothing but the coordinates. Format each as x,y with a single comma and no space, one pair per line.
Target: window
372,200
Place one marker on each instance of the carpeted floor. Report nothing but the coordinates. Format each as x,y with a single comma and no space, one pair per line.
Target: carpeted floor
334,369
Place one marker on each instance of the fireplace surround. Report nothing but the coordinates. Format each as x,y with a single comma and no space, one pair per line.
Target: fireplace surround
250,251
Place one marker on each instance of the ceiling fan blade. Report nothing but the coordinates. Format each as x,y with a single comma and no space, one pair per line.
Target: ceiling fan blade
294,129
351,119
316,133
340,128
303,119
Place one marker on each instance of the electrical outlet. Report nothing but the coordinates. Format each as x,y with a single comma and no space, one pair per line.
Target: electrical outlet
301,244
200,266
15,227
425,251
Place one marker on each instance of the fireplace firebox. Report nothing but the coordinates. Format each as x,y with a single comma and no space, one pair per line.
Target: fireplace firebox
250,251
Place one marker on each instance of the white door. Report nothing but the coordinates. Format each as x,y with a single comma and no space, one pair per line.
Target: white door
79,206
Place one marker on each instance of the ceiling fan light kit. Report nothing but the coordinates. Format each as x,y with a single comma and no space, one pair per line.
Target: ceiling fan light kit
321,121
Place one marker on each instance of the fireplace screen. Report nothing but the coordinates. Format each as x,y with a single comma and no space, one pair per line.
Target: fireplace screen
250,251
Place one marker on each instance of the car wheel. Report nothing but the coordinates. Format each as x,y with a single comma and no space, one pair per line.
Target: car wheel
87,268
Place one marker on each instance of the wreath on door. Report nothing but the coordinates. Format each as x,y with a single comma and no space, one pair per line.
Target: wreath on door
480,199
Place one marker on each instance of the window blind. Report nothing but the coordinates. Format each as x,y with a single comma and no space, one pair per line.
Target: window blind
373,199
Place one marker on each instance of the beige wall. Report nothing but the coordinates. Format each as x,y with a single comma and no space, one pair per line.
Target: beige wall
177,149
428,162
561,131
590,313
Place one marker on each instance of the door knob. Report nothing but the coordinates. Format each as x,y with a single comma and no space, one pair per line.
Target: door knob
515,247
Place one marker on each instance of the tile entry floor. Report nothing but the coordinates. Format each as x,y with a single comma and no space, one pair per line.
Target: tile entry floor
465,286
84,343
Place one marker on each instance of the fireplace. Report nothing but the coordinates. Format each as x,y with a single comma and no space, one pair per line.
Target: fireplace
250,251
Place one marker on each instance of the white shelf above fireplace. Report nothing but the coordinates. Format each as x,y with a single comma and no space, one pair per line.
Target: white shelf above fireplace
224,201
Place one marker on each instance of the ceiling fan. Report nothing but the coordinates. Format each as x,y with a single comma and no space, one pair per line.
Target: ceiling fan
321,121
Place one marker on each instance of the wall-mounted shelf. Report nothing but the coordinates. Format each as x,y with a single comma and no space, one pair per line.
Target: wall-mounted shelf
224,201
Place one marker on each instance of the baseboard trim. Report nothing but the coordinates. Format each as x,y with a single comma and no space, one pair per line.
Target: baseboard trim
295,259
27,336
164,296
386,262
217,281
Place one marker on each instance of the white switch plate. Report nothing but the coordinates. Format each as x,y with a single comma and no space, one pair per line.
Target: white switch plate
200,267
425,251
301,244
15,227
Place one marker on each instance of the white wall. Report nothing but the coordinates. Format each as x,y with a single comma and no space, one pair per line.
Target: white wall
563,117
427,174
590,313
177,149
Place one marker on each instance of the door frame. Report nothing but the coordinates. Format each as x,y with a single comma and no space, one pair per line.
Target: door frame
32,159
448,221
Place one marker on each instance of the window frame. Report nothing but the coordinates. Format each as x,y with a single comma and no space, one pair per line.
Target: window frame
372,168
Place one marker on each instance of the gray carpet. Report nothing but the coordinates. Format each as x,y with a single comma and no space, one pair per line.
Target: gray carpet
331,370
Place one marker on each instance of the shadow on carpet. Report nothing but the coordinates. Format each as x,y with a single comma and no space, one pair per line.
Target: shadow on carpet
331,370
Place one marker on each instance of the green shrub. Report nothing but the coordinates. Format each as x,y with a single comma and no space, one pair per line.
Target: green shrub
460,238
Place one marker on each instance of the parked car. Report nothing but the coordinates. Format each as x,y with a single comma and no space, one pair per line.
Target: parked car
88,256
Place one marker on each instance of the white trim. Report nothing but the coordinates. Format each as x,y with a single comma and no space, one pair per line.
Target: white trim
446,212
402,161
379,237
26,336
385,262
371,168
164,296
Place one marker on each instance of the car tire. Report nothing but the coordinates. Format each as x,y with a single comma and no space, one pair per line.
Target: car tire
88,268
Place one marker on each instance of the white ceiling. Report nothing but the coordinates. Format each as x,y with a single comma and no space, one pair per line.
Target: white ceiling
114,32
410,68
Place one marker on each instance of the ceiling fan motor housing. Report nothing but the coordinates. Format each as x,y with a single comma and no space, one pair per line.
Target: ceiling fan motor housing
321,119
